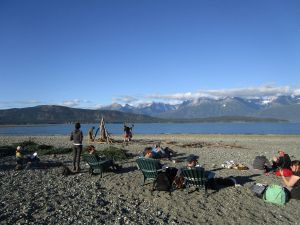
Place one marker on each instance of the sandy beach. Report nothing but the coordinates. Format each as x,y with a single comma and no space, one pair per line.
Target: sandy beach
44,196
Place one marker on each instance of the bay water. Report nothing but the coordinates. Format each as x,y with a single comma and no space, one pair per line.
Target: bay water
159,128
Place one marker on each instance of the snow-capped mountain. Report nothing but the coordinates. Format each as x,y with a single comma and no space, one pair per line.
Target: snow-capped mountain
280,107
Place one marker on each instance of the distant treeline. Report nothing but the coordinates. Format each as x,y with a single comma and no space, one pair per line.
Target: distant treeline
49,114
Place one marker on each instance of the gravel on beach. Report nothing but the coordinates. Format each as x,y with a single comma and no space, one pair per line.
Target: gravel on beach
42,195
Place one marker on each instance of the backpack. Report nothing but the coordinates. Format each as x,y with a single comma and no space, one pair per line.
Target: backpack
258,189
275,194
179,182
66,171
162,182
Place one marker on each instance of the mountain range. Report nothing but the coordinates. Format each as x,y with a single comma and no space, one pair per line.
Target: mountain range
284,107
228,109
53,114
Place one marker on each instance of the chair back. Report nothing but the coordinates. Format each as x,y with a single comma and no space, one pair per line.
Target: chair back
90,159
194,176
148,167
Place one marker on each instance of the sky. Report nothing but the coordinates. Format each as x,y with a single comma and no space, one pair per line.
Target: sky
87,54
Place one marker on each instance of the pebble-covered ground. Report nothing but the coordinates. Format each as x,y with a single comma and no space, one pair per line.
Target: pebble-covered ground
42,195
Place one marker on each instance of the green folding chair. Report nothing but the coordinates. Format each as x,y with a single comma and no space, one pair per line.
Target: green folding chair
195,177
149,168
97,166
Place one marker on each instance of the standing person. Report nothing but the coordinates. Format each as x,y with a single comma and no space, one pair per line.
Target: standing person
76,137
91,134
127,133
130,132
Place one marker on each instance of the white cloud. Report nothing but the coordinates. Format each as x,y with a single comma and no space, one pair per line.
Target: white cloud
176,98
71,103
297,91
248,92
125,99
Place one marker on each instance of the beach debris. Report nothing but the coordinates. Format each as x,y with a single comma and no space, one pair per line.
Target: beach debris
232,165
228,164
104,135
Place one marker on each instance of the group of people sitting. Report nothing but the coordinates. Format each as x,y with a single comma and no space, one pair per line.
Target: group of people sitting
175,174
282,166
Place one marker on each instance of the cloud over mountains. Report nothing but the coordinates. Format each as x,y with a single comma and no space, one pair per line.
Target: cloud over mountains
247,92
265,91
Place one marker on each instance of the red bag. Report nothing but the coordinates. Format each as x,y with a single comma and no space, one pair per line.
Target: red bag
286,173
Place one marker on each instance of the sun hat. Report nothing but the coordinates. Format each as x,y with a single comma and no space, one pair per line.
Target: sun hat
191,158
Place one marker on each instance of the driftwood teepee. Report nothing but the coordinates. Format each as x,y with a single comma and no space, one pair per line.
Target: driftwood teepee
104,135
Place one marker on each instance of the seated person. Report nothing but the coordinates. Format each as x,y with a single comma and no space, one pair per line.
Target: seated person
23,157
260,165
92,151
20,158
212,181
191,162
282,161
293,182
91,134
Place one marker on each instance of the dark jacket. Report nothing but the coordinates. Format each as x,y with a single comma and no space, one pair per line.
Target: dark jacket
295,192
284,162
76,137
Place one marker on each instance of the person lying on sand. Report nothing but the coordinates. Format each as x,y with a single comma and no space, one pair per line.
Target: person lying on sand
148,153
260,165
293,182
160,152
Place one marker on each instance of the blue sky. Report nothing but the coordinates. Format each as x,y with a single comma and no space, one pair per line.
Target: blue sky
92,53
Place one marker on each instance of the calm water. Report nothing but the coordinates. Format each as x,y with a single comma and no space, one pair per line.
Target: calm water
162,128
